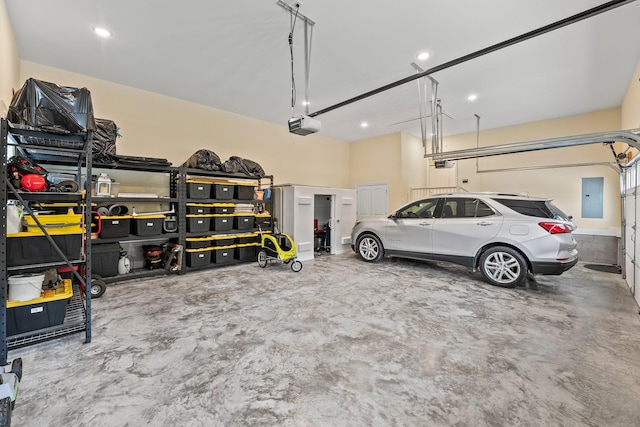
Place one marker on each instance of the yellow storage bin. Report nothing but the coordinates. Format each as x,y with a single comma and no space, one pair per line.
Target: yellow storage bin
58,223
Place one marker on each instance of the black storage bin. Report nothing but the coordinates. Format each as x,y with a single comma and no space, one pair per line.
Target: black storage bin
198,209
245,192
198,257
198,223
28,318
222,255
33,249
244,222
243,239
104,259
223,208
115,227
263,222
222,241
148,225
222,191
246,253
198,242
198,189
222,222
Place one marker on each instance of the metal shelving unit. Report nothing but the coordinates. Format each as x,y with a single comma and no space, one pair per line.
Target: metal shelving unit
132,238
78,308
186,173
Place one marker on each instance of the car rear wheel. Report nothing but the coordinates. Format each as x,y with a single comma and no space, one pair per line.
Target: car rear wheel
503,266
370,248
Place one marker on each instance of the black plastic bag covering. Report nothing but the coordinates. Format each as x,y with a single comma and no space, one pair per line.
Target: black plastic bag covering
205,160
40,105
237,164
103,145
139,161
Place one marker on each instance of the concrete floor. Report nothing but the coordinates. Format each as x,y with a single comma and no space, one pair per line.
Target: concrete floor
344,343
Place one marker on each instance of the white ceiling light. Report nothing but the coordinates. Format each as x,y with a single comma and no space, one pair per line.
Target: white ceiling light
102,32
306,103
423,56
364,125
472,97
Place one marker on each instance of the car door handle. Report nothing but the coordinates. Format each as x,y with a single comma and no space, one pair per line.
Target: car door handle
484,223
424,223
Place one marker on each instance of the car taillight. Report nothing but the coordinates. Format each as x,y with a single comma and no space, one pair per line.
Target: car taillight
555,227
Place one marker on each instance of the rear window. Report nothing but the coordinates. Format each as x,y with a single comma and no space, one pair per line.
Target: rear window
536,208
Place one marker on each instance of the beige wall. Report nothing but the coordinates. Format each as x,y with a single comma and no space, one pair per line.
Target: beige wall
378,160
631,103
154,125
9,59
413,170
563,183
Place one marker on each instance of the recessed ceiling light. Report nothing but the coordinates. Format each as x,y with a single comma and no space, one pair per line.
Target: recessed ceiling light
364,125
102,32
472,97
423,56
306,103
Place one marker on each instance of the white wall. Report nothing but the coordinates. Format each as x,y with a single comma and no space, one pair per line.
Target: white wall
295,212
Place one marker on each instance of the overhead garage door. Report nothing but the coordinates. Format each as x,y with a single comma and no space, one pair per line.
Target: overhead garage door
629,229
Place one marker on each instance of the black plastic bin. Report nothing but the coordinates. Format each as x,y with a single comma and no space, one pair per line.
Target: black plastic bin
222,191
115,227
198,189
245,191
148,225
104,259
198,223
33,249
198,257
222,222
222,255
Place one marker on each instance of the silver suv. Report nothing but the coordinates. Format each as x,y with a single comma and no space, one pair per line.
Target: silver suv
502,235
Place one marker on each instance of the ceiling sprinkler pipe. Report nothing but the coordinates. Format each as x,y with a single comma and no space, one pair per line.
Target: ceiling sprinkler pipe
526,36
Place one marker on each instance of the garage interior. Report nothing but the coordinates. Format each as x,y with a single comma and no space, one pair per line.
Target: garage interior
344,342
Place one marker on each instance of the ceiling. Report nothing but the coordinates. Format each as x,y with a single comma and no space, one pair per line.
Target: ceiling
235,56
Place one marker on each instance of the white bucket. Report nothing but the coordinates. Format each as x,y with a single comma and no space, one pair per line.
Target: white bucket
25,287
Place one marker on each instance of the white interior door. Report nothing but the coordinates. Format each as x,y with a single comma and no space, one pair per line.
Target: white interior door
372,199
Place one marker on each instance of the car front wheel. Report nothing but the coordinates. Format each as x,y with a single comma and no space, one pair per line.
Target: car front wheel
503,266
370,248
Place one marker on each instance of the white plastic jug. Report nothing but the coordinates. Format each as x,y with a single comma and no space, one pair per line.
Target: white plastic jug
14,216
